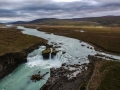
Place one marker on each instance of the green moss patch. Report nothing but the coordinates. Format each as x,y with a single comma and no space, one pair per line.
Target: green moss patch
48,50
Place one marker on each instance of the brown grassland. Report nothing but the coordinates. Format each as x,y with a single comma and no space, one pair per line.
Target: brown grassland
104,38
12,40
106,76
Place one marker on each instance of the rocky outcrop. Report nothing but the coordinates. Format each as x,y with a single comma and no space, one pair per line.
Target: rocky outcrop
60,77
9,61
38,77
46,53
54,52
67,77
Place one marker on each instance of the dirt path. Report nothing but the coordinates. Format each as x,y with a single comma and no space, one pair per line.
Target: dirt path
96,76
87,87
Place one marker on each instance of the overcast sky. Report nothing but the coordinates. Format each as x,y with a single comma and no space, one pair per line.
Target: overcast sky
26,10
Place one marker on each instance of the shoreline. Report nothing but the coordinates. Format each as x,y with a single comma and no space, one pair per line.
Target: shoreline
59,77
59,81
96,47
89,79
10,61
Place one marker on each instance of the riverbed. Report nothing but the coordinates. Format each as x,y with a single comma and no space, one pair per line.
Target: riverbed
75,50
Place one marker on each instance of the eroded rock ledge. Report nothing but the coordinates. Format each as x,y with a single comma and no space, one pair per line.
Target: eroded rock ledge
68,77
46,53
10,61
88,79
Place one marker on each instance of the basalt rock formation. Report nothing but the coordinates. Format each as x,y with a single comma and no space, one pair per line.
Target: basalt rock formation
38,76
10,61
63,78
46,53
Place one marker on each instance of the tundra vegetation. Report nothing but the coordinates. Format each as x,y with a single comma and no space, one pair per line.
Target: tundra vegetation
12,40
105,76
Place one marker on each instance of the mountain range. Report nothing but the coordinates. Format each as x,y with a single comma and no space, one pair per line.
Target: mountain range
104,21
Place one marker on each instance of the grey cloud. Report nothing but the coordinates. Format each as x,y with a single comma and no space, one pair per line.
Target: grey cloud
13,10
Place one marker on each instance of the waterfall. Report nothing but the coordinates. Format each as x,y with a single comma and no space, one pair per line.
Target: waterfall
50,54
59,56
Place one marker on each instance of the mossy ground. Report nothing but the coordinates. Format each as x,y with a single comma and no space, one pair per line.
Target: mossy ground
111,79
105,76
12,40
47,50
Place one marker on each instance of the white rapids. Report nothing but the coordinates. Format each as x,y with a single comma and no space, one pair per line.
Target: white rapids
75,52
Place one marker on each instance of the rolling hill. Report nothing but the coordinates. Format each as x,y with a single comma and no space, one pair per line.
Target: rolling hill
104,21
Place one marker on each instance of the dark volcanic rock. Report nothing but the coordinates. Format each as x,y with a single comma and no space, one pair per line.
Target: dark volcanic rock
59,78
46,53
10,61
63,52
49,46
57,46
64,64
54,52
82,45
36,77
